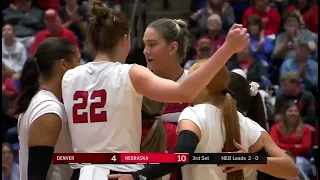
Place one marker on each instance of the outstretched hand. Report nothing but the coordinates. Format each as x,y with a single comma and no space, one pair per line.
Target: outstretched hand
228,168
121,176
237,38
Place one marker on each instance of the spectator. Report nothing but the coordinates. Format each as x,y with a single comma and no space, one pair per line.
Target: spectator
261,46
286,42
48,4
14,54
10,170
220,7
214,34
307,11
27,20
74,17
293,136
203,50
292,91
252,67
8,86
306,68
270,16
54,28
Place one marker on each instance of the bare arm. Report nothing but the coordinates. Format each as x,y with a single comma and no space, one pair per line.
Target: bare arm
43,136
279,160
159,89
45,130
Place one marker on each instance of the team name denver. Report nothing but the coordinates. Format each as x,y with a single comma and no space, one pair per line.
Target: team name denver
136,158
65,158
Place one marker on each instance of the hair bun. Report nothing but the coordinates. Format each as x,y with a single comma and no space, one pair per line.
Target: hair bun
100,9
181,23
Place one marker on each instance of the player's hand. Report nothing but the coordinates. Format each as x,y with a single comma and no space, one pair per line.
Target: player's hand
121,176
237,38
228,168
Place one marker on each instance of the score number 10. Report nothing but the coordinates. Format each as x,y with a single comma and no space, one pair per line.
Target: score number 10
182,158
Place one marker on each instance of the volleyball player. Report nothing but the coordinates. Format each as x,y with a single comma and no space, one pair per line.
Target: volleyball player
249,103
106,95
158,39
213,125
42,123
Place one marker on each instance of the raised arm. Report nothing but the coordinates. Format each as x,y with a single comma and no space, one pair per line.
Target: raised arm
159,89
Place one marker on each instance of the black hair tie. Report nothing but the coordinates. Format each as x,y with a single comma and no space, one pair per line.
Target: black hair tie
225,91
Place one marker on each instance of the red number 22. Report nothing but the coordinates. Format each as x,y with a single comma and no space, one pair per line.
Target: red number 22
94,117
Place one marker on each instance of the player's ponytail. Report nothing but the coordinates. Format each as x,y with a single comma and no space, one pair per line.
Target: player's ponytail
29,86
232,130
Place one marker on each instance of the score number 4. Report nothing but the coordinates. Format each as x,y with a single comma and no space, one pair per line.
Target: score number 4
94,117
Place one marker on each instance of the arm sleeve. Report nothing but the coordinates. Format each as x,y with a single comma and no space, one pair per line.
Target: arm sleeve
187,143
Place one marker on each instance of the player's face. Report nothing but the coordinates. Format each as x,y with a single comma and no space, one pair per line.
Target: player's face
156,51
74,61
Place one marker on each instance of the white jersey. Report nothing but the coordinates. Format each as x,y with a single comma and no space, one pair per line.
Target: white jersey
172,110
104,110
44,102
208,118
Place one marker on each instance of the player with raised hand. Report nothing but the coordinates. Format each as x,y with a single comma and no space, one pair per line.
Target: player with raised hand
103,98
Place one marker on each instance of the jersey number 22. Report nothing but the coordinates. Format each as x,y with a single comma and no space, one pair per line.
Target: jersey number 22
94,117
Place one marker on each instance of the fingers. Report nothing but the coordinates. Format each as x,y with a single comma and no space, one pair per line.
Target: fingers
238,146
236,26
114,176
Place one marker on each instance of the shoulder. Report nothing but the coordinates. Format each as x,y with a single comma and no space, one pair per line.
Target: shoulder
305,128
250,9
290,8
68,32
71,73
273,10
313,63
288,61
44,103
20,45
275,127
198,110
41,34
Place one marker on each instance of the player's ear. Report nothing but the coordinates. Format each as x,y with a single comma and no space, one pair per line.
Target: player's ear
173,47
63,64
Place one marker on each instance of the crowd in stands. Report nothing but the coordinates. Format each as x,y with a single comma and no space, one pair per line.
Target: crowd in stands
282,58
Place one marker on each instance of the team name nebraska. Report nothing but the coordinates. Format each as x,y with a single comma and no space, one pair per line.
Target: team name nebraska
136,158
65,158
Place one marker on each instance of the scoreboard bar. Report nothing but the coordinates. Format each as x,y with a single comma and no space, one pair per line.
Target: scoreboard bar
154,158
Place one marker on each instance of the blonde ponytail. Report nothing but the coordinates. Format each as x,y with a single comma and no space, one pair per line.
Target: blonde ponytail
232,131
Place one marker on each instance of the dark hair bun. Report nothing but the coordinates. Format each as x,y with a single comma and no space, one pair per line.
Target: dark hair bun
100,9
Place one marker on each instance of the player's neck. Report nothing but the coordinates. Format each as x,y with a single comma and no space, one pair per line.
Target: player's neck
173,73
103,57
53,87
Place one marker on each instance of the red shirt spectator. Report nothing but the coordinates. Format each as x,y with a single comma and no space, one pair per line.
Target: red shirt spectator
8,87
270,18
310,17
54,29
54,4
299,146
